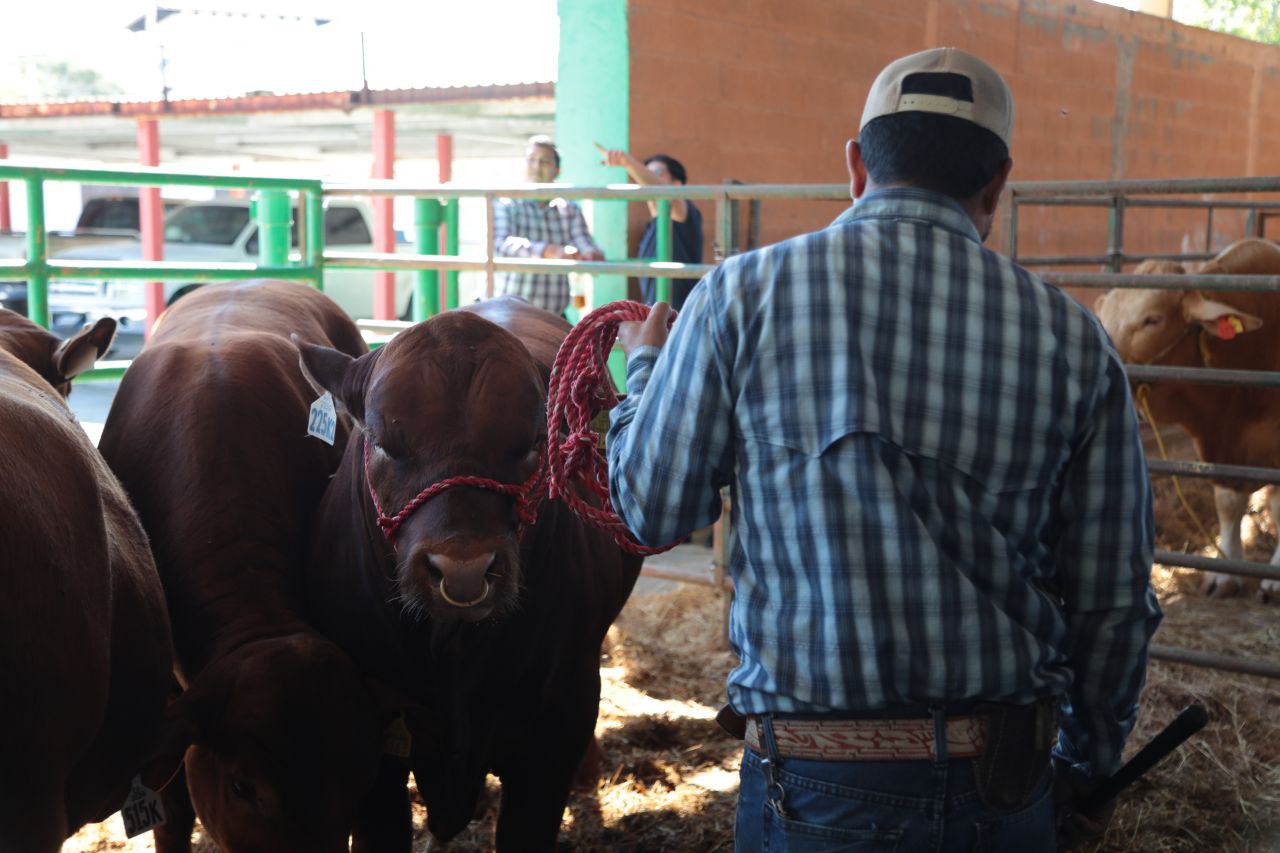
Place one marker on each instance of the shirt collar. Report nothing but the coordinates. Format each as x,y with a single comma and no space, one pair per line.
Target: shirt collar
912,203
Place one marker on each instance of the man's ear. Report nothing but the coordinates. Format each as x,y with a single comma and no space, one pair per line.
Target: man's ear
78,353
1218,318
857,169
993,190
344,377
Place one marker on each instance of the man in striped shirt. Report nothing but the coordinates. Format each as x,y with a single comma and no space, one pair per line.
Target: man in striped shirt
527,228
941,511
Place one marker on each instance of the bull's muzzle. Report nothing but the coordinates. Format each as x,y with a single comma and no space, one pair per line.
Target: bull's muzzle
463,581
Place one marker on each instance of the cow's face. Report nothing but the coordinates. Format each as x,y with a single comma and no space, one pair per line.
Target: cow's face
1158,326
456,396
57,362
285,743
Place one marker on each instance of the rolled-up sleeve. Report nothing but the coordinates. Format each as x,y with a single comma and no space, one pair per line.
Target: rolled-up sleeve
670,441
1103,561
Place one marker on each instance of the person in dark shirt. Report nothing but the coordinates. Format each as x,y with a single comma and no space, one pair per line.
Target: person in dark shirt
686,220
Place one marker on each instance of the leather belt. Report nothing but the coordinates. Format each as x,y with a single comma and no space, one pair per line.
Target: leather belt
869,740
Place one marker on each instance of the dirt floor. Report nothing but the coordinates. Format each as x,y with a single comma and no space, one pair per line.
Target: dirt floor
669,777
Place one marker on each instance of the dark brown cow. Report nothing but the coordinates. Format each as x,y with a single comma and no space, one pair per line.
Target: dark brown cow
208,433
85,652
1229,425
497,638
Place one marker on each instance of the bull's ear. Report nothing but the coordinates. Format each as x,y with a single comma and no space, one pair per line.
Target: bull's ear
344,377
78,353
1100,301
1218,318
189,719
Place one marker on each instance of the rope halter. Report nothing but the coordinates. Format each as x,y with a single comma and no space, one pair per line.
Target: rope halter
527,496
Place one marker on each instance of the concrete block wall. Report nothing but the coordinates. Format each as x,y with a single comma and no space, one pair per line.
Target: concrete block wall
769,90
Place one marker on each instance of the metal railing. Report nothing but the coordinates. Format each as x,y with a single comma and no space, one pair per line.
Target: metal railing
662,268
439,204
37,268
1117,197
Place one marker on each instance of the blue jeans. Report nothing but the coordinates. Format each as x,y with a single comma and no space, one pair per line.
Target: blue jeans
864,806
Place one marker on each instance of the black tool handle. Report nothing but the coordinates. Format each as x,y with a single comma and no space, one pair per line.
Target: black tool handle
1191,720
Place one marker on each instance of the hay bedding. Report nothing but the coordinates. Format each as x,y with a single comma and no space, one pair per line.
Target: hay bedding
669,777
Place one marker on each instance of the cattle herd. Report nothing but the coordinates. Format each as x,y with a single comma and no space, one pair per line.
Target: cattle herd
212,606
271,629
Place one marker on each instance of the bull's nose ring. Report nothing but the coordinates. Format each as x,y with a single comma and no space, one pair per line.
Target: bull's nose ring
484,593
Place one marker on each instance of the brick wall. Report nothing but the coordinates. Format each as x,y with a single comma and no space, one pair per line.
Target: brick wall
769,90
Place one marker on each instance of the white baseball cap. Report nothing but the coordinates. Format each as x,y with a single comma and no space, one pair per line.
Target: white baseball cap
947,81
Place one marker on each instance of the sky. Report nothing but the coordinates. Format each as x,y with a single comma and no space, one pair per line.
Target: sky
210,52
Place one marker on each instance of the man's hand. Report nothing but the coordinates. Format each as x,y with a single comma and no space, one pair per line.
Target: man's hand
612,157
590,255
558,252
1075,828
633,334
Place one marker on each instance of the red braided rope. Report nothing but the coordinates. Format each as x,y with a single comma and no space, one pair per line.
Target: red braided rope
579,389
526,495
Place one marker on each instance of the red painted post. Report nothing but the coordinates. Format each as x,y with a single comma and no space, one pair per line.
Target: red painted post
384,236
444,156
150,218
6,224
444,163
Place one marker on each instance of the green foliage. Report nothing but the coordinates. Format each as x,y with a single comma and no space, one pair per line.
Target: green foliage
1258,20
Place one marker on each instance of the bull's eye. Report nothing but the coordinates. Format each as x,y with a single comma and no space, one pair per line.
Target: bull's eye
1152,320
243,790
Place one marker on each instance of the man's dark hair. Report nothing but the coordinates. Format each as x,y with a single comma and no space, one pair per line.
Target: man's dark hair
931,151
674,166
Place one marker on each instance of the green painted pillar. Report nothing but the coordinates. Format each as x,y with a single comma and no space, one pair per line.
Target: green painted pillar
315,236
37,255
426,297
663,285
593,104
273,227
451,248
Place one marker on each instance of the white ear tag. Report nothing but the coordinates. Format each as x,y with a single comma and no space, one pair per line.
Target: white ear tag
142,809
323,423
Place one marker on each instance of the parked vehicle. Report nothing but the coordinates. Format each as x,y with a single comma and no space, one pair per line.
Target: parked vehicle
103,219
222,230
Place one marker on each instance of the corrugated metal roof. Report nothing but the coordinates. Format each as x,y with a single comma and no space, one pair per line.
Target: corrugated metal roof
271,102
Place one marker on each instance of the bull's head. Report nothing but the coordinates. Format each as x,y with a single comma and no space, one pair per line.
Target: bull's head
282,742
456,396
1156,326
57,361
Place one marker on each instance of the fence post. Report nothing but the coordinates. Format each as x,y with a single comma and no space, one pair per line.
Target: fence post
1115,234
664,247
273,228
426,295
1013,226
451,248
314,207
37,260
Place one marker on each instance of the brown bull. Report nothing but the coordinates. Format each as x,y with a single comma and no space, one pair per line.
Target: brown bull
1229,425
492,625
85,652
208,434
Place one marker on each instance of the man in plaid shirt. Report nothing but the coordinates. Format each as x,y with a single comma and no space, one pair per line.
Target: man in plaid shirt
541,229
941,511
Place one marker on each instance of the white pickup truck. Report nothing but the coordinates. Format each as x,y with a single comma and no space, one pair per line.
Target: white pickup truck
221,230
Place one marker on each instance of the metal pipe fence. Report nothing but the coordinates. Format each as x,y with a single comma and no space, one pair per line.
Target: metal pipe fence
438,204
1117,197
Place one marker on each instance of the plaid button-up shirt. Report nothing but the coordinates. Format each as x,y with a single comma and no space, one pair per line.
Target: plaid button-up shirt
939,489
522,229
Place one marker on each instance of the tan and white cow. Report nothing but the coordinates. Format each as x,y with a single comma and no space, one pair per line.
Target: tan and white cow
1229,425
